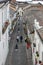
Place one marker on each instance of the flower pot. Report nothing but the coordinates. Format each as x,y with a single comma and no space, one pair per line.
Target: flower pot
37,55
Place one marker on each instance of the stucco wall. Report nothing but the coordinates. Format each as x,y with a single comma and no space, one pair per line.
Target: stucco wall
4,45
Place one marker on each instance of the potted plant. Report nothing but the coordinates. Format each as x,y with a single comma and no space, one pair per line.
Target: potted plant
37,54
34,44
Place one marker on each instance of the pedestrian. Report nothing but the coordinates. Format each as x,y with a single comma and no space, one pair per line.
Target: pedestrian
26,40
18,29
16,47
28,45
17,39
21,38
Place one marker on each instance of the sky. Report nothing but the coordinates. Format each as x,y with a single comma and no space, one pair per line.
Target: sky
23,0
34,2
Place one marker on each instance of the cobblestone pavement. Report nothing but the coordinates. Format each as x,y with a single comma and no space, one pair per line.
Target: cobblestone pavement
17,56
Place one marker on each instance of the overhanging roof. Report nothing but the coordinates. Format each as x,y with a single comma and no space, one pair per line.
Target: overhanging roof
4,1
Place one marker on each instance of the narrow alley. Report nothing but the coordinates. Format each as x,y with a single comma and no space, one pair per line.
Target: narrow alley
19,56
21,32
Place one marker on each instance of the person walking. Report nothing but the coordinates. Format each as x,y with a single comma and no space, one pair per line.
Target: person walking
21,38
17,39
16,47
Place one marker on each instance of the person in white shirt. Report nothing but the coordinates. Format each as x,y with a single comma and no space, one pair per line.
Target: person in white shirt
17,39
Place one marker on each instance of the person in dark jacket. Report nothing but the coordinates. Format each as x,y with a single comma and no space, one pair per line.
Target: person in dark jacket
21,38
16,47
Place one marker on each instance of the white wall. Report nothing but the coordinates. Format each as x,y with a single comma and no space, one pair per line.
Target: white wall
38,42
0,24
3,49
4,45
39,46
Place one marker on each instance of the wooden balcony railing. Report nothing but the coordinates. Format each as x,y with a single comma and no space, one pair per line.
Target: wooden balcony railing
5,27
